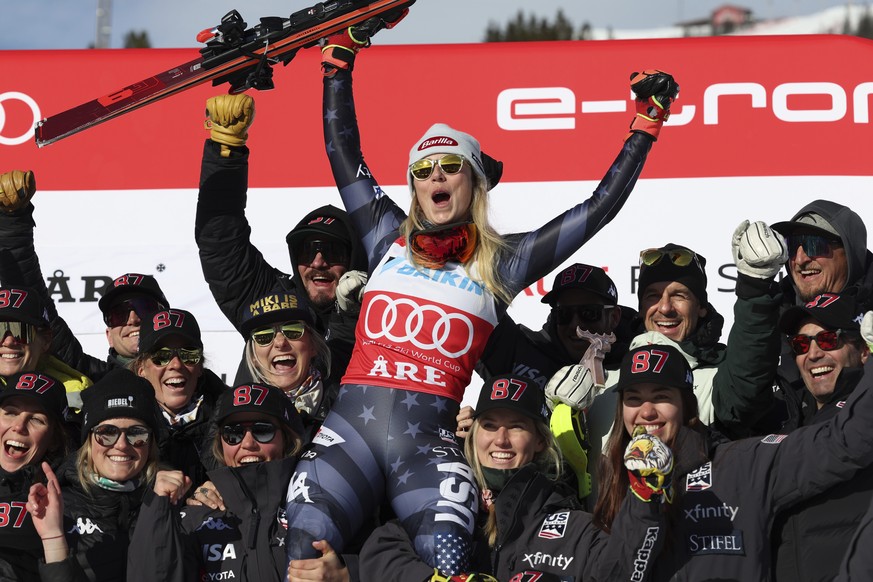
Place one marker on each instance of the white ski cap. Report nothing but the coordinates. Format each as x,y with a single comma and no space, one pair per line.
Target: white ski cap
443,139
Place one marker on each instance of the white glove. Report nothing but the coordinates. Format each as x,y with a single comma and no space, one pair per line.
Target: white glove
571,385
350,291
867,329
758,250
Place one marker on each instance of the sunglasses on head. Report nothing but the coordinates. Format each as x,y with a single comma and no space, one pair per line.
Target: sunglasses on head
814,245
119,313
107,435
188,356
679,257
233,434
827,340
332,252
264,336
584,313
449,164
22,333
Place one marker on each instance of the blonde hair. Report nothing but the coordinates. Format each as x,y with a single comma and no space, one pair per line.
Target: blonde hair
320,361
483,264
548,461
85,468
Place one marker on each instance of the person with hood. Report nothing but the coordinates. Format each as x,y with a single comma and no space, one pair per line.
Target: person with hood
86,513
32,431
324,247
257,438
127,299
829,352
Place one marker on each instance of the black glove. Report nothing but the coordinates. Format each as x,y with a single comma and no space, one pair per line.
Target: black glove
655,91
341,47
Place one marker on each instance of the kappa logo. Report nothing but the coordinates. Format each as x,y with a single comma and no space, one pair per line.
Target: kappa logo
700,479
554,525
84,527
213,524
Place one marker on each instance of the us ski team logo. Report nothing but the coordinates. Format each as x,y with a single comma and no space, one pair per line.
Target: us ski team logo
554,525
700,479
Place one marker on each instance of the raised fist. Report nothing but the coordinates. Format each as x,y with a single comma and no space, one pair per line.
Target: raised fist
758,250
655,91
16,189
228,118
571,385
339,50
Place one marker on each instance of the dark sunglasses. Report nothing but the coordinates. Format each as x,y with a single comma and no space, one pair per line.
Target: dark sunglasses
144,307
332,252
188,356
233,434
449,164
814,245
264,336
585,313
679,257
826,340
22,333
107,435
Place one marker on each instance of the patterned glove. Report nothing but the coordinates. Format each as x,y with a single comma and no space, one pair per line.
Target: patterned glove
571,385
350,291
228,118
867,329
758,250
16,189
649,464
655,91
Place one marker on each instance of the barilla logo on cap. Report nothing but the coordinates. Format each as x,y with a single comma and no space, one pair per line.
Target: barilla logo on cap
128,279
321,220
437,141
272,303
125,402
36,382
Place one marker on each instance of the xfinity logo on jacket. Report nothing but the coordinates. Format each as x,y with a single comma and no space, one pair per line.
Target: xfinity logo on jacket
540,558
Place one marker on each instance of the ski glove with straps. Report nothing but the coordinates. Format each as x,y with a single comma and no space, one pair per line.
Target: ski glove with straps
228,118
16,189
758,250
350,291
571,385
340,48
655,91
649,464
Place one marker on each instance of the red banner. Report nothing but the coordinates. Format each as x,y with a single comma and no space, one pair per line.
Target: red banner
749,106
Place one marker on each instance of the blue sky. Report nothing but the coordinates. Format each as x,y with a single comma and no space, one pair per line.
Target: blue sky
65,24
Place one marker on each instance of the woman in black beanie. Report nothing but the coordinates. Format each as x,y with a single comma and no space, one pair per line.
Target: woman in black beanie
85,515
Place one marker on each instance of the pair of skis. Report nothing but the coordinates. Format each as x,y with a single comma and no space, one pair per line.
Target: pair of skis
234,54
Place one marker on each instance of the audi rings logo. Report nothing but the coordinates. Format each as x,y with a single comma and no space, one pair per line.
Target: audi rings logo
34,109
405,321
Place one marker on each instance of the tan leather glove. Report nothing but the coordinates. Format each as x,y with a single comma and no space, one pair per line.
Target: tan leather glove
16,189
228,118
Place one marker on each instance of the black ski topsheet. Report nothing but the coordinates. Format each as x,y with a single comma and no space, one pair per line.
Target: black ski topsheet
228,61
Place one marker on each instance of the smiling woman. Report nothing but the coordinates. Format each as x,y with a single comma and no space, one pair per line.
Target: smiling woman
91,506
32,408
171,359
